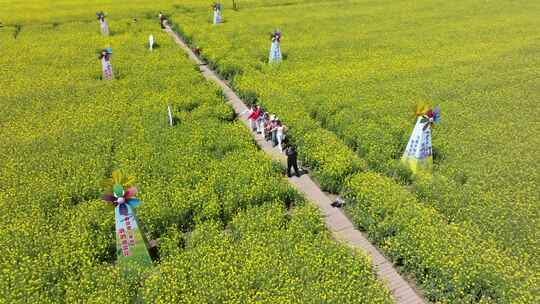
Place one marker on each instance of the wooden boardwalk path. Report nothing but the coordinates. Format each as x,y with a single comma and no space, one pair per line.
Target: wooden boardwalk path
340,226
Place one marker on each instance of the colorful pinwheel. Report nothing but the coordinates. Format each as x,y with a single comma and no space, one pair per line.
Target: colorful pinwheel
120,190
421,109
100,15
430,117
276,35
106,52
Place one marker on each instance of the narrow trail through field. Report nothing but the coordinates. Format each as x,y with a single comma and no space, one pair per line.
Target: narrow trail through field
340,226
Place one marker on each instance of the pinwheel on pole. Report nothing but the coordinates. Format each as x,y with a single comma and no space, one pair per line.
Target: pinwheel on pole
106,66
275,50
217,13
131,246
432,118
418,155
102,23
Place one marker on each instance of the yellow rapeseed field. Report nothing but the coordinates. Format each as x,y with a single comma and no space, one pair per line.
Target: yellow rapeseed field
353,72
216,205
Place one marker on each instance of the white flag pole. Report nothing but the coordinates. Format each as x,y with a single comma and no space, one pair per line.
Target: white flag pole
169,113
151,42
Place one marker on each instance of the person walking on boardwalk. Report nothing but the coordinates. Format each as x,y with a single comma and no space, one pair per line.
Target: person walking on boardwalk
162,20
267,127
273,130
260,122
249,112
280,135
254,117
291,160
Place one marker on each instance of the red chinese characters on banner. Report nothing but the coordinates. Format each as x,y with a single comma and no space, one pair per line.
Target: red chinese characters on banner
131,233
124,242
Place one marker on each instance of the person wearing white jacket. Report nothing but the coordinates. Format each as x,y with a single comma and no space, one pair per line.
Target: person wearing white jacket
280,135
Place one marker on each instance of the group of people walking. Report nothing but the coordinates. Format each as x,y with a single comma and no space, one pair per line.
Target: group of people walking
262,122
270,127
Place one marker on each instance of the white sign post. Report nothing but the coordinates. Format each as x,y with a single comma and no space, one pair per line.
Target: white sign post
151,42
169,114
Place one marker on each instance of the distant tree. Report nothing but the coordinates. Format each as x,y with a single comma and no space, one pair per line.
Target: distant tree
234,6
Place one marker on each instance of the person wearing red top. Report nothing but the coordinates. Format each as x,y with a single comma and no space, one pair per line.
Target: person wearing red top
254,117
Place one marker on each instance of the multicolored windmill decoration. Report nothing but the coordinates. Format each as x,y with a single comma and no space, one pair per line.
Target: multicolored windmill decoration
131,246
275,49
275,36
217,12
430,118
418,155
106,65
102,23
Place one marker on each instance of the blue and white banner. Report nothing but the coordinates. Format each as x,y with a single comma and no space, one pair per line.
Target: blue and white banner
418,154
104,27
275,52
106,68
217,16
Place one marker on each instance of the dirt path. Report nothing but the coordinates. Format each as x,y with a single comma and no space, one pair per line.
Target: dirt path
340,226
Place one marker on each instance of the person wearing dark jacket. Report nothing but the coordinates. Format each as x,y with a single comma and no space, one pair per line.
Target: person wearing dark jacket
162,20
291,160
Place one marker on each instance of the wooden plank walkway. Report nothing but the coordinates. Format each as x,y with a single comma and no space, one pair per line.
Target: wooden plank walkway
340,226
